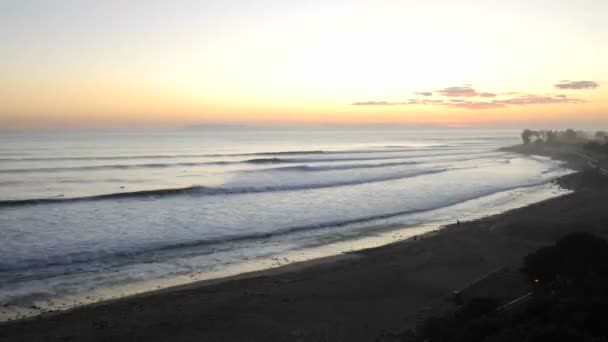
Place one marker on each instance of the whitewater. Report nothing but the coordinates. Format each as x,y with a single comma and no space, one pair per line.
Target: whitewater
88,217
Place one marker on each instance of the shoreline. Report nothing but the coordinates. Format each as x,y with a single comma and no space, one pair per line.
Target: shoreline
421,231
301,257
394,285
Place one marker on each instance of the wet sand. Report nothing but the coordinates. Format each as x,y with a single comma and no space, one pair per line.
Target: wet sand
363,296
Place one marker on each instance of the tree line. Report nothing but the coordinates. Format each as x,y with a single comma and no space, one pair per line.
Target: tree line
597,142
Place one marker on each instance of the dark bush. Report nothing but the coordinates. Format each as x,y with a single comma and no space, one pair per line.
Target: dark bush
571,260
569,304
477,307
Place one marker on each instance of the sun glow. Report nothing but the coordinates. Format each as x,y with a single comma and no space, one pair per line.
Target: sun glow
177,63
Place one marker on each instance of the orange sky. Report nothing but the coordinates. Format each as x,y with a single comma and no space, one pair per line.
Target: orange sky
105,64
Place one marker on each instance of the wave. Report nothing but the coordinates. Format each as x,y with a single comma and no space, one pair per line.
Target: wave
212,191
371,150
363,158
102,167
6,183
340,223
334,167
273,160
87,256
144,166
266,160
429,146
151,165
163,156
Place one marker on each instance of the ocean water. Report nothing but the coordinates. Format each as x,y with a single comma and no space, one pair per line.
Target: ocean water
86,217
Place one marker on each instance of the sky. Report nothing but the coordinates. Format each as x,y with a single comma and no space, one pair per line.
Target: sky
153,63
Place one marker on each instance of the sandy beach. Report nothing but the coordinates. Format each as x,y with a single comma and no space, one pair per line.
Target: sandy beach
362,296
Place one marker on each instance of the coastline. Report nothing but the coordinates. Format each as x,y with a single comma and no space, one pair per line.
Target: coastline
355,296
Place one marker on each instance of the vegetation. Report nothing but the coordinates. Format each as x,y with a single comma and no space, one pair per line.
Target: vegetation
568,303
592,143
596,146
568,136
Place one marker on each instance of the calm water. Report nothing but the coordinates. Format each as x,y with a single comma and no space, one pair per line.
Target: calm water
83,213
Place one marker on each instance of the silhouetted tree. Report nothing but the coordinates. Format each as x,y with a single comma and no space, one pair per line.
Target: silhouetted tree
601,136
527,135
552,137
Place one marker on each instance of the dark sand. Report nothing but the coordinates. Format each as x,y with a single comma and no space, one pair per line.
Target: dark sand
371,295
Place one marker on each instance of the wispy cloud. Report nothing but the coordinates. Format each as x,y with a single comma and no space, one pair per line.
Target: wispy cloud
566,84
379,103
424,93
476,105
464,91
462,97
524,100
409,102
458,91
536,99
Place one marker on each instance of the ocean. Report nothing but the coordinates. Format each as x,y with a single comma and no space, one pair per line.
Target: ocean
89,217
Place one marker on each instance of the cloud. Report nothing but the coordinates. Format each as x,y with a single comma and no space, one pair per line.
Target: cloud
476,105
409,102
523,100
536,99
565,84
458,91
465,91
461,97
378,103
